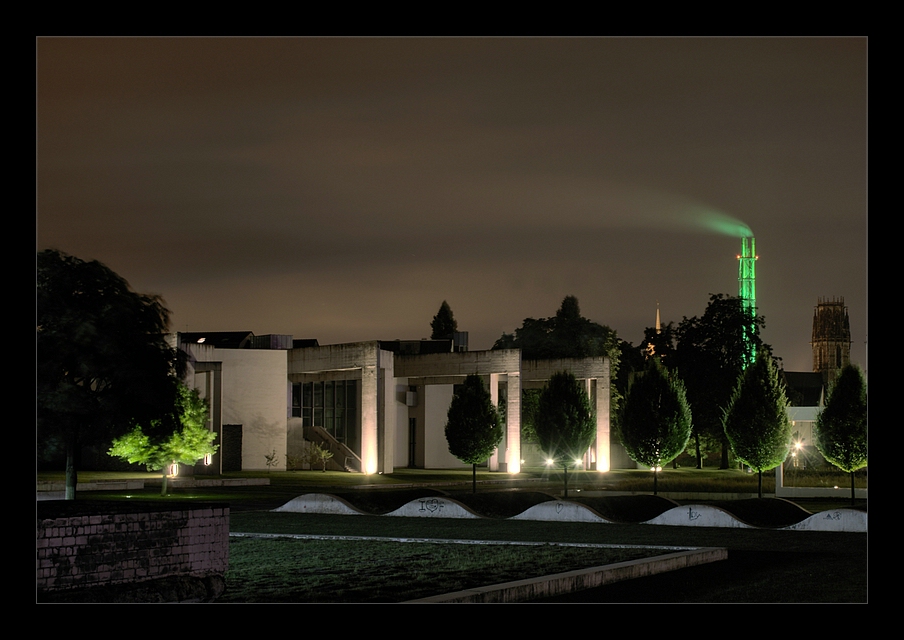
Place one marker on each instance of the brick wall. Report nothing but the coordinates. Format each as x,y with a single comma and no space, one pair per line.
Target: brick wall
91,545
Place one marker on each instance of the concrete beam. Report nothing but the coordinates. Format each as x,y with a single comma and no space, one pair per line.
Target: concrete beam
458,364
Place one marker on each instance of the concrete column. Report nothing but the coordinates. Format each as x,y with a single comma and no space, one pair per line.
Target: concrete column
370,405
603,452
589,456
493,463
513,425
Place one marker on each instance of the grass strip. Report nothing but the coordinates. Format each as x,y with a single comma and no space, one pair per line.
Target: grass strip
303,569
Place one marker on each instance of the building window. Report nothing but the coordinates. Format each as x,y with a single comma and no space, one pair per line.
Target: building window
332,405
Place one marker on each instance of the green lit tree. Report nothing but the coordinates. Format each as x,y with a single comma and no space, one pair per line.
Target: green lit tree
841,433
656,423
756,421
444,324
564,422
188,444
103,362
473,426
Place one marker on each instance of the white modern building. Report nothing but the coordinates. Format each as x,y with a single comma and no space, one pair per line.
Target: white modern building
377,405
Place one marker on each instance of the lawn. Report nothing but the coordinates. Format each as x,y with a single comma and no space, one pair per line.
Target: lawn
763,565
284,485
315,570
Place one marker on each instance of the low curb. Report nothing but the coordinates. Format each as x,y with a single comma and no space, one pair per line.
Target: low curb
571,581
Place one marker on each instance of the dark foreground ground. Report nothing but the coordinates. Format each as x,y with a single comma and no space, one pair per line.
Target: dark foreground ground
763,565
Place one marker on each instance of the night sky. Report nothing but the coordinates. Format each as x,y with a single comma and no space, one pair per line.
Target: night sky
341,189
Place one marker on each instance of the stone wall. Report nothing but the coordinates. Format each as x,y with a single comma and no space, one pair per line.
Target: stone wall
147,551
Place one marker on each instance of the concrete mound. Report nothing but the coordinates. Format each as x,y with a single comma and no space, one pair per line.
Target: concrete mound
318,503
697,515
847,520
560,511
434,508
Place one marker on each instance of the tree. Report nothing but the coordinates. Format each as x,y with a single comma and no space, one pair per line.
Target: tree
530,402
660,343
444,324
103,363
473,426
656,424
190,443
841,433
567,335
565,423
272,459
317,454
710,356
756,420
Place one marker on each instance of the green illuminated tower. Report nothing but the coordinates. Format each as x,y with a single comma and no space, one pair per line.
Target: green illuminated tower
747,287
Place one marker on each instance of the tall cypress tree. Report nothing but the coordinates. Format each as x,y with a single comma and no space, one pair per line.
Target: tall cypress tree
756,421
656,424
565,423
473,426
444,324
841,426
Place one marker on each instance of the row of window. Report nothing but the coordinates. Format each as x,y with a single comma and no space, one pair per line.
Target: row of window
332,405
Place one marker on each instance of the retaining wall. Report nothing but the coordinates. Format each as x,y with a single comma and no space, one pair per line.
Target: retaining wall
112,550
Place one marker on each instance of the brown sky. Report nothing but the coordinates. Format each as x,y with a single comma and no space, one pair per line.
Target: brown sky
341,189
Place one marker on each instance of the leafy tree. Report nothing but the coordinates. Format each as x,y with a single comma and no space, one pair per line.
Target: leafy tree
660,343
190,443
656,424
473,426
103,363
293,461
530,402
710,356
567,335
756,421
318,454
631,360
565,423
444,324
272,459
841,434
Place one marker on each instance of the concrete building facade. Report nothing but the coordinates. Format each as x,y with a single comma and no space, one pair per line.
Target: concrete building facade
375,405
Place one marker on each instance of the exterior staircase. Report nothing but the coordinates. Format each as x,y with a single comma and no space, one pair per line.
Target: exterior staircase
344,459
